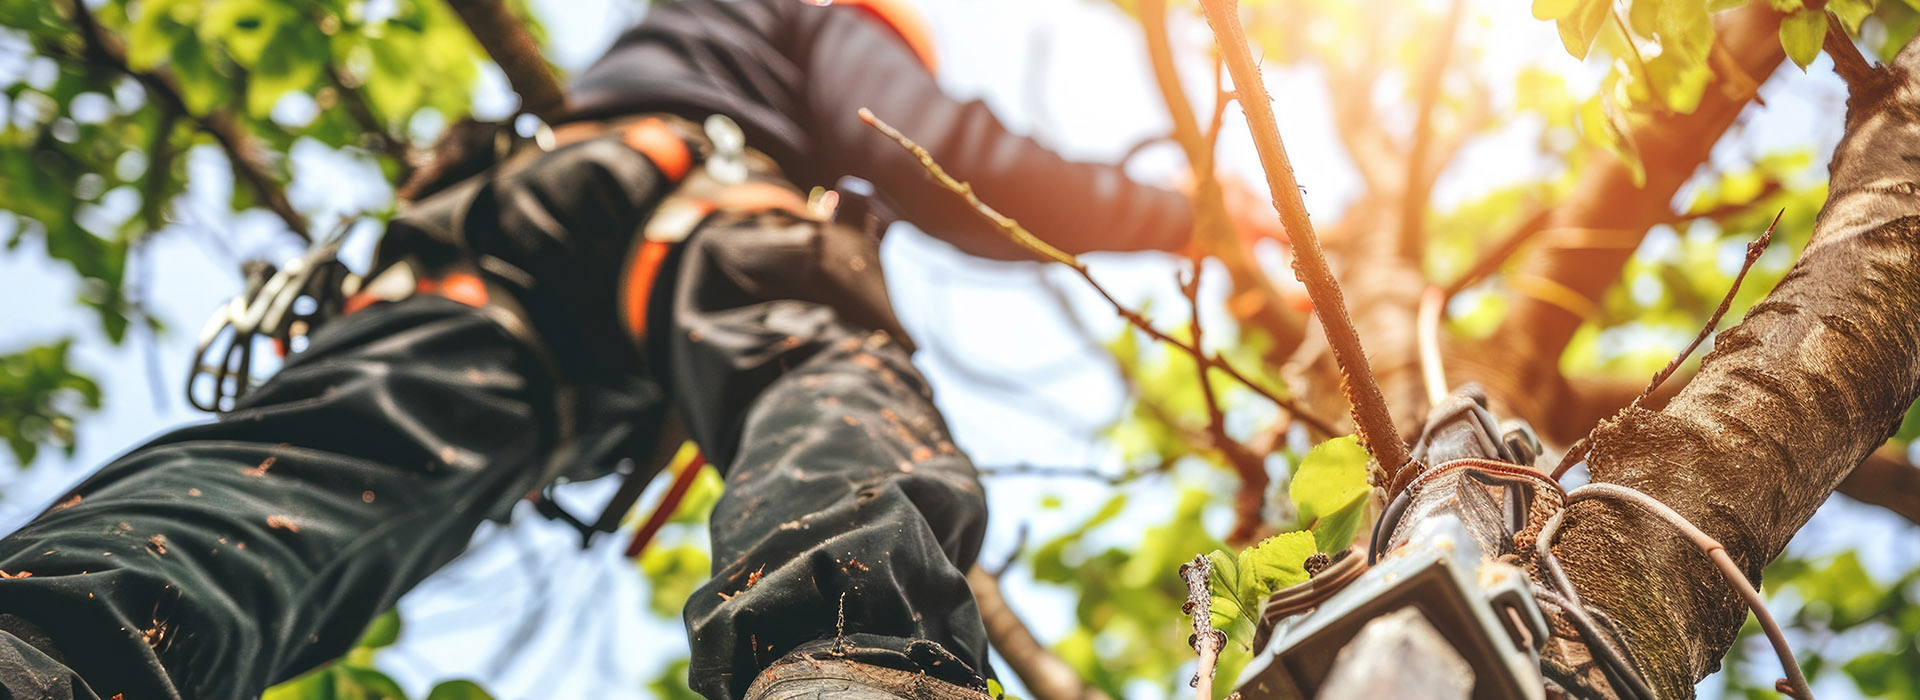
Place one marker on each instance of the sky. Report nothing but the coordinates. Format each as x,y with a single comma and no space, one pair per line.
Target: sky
533,617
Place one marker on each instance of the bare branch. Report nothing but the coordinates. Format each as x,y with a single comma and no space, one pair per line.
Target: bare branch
1046,675
1206,640
1046,252
248,162
1369,405
507,41
1212,224
1847,61
1754,250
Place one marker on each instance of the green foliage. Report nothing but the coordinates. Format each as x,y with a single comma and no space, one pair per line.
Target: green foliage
1330,490
1121,571
1240,584
90,156
1836,603
353,677
671,684
39,395
1801,34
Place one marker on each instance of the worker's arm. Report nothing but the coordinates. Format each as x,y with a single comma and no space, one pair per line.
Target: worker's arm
855,62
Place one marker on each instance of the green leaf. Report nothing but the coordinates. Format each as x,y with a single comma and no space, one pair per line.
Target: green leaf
1801,33
1328,488
1580,24
1223,583
363,683
384,631
1852,12
1275,563
458,690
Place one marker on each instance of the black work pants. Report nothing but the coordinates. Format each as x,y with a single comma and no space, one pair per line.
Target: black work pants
221,558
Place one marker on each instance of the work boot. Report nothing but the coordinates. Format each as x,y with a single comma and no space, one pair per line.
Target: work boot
815,676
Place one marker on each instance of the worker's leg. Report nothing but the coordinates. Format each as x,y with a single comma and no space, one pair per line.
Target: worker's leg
220,558
849,517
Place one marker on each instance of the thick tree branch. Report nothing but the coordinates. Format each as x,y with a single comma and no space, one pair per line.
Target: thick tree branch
1589,237
1369,405
518,55
1046,676
1817,376
249,163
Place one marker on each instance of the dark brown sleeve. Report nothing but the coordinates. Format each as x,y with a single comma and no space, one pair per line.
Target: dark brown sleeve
853,61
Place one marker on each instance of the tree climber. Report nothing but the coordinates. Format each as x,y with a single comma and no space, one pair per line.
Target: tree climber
546,312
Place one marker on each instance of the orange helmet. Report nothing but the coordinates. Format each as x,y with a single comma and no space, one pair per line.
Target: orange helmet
904,20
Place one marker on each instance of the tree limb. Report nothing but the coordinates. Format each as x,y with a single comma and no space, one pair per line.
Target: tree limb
1589,237
249,163
1046,676
1792,399
1369,406
1044,251
1212,223
518,55
1888,480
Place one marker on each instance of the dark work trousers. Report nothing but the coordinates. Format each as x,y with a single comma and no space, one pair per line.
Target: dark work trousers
222,558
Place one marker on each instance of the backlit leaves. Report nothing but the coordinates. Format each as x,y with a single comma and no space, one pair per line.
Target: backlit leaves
1330,490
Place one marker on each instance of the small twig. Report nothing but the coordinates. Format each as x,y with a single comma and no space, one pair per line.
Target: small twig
1754,250
1206,640
507,41
1529,226
1032,470
242,151
1369,405
1213,223
384,141
1046,252
1013,554
1250,466
1852,67
1584,445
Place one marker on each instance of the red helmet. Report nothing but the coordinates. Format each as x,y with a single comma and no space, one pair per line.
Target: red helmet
904,20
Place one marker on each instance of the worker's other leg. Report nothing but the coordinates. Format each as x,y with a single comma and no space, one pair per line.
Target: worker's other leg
223,557
849,518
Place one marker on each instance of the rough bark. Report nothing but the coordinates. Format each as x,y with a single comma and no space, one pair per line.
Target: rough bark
1816,377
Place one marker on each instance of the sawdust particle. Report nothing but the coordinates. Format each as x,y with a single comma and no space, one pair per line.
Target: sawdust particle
71,501
261,470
